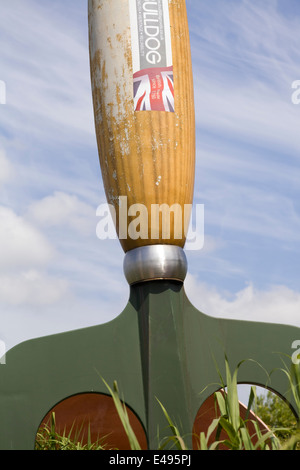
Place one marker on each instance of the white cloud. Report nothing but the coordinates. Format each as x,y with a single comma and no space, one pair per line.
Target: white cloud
61,209
277,304
246,60
244,208
211,245
24,253
6,168
46,68
21,244
246,57
252,113
31,288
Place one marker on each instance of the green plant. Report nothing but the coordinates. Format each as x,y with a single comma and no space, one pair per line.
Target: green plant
122,412
228,420
175,438
276,414
231,422
48,438
292,373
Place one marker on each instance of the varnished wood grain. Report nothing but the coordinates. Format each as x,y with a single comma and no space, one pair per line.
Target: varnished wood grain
148,156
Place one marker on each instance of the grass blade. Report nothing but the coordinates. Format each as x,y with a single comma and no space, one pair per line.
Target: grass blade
121,409
179,442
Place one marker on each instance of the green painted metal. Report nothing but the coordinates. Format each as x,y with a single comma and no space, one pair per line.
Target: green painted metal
160,346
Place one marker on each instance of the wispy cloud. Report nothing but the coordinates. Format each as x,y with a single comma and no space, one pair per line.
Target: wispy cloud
21,244
6,168
31,288
245,61
61,209
277,304
45,65
245,57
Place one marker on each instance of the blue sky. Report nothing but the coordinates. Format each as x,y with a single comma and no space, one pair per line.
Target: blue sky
55,274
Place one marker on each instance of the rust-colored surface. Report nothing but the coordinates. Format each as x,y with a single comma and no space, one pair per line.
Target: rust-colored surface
146,156
208,412
98,412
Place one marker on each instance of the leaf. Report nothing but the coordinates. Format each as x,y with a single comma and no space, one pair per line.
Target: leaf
212,428
122,412
252,399
203,441
221,403
179,442
231,432
246,439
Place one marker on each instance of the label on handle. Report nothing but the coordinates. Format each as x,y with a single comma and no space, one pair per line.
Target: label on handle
153,85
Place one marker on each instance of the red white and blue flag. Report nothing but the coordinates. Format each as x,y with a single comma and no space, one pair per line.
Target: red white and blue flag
153,84
154,90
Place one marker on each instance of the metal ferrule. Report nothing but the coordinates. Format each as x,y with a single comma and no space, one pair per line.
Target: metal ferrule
154,262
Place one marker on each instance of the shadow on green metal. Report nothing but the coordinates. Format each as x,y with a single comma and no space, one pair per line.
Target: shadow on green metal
159,348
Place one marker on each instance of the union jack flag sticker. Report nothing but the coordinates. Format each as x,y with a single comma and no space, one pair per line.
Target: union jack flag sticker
154,90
